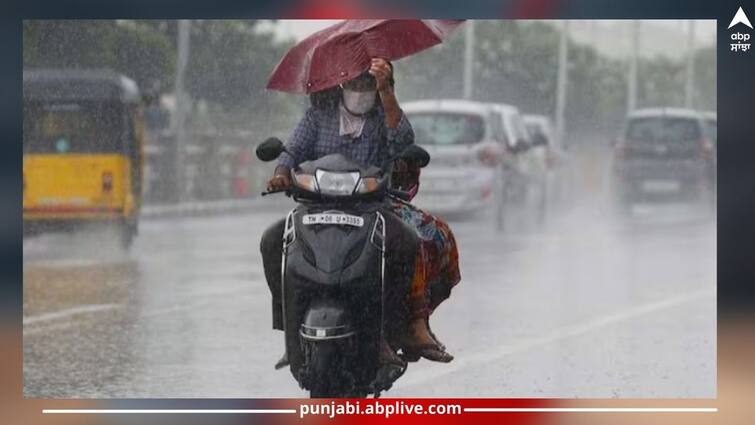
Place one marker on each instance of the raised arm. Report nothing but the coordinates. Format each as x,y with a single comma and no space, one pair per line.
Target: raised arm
398,126
382,71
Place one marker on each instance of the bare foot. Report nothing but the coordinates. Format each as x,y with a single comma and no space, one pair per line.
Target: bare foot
421,343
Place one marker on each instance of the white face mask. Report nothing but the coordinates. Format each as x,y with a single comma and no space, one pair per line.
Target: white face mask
358,102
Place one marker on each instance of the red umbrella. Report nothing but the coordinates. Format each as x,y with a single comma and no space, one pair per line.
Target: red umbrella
343,51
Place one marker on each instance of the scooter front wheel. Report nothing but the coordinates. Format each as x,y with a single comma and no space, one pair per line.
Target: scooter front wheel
324,370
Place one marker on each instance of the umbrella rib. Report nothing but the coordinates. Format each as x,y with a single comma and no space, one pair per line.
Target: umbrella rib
307,82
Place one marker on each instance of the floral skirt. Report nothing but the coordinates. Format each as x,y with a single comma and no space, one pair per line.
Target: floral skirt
437,266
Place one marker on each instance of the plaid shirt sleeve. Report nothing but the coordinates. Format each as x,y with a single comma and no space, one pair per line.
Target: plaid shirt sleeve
302,141
402,135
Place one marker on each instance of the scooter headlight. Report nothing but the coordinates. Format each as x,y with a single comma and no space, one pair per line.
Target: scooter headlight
336,184
306,182
368,184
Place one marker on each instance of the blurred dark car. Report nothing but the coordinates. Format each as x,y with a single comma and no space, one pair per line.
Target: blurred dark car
710,118
664,155
711,125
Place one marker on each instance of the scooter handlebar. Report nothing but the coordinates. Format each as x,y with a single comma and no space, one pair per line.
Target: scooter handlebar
272,192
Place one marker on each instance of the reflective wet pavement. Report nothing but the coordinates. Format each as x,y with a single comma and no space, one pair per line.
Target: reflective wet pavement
587,307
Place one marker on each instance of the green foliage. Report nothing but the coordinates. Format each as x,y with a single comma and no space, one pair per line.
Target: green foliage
434,73
516,63
705,78
144,54
660,82
130,48
230,61
68,43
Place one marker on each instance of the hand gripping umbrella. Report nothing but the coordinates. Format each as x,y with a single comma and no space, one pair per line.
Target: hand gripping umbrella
343,51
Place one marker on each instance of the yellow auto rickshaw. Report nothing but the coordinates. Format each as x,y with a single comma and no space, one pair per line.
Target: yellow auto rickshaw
83,138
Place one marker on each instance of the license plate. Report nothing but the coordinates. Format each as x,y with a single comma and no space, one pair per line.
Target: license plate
327,218
660,186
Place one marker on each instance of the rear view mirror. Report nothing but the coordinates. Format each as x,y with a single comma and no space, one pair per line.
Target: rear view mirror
415,155
270,149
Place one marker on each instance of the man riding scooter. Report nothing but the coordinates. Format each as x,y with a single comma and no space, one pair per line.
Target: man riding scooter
361,119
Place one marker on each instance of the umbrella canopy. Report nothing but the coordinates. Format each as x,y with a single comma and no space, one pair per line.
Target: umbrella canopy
343,51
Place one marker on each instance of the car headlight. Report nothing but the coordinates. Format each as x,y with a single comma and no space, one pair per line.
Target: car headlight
336,184
368,184
306,182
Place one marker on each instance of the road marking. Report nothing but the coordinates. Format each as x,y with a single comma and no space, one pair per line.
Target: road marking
553,336
61,314
49,328
192,306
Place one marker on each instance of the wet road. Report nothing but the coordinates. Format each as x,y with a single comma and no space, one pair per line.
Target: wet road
586,307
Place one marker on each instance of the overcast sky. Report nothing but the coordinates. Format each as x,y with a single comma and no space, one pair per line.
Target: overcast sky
301,28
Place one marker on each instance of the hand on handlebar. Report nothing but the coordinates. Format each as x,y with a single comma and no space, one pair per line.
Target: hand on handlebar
279,183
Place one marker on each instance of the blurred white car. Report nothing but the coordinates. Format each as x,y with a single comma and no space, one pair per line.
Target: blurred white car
554,158
525,177
464,139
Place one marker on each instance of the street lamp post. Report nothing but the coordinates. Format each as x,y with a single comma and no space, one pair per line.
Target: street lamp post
182,100
561,80
632,78
689,86
469,59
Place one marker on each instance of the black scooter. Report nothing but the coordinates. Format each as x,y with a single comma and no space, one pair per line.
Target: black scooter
333,288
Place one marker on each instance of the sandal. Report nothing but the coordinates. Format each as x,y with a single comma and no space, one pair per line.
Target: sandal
413,347
430,352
